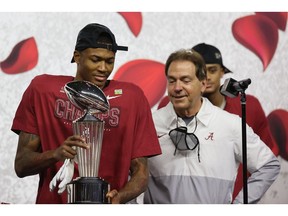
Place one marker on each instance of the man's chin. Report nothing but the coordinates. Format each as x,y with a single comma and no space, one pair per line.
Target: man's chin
179,104
208,92
98,83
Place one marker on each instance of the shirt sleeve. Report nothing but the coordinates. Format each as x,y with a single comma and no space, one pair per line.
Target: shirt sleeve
146,141
260,181
25,119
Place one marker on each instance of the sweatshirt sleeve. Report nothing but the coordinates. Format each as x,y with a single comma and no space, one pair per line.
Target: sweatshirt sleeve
259,182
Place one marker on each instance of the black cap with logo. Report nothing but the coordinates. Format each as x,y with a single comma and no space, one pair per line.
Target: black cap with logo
211,55
89,37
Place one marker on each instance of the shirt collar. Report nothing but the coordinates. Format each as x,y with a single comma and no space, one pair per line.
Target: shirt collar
204,114
206,111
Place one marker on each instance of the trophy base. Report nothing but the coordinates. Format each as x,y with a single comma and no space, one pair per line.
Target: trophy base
88,190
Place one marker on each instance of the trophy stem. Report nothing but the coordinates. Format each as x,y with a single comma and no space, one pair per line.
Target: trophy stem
89,159
88,188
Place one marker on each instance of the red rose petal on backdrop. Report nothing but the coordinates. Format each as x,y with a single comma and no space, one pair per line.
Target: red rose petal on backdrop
259,34
133,20
23,57
279,18
164,101
148,75
278,123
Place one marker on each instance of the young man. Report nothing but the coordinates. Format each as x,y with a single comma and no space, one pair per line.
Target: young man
44,123
201,144
255,115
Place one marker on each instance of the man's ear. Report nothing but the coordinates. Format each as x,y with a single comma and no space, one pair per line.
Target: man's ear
76,56
204,85
222,72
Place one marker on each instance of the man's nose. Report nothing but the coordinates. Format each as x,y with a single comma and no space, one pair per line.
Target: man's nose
102,66
178,86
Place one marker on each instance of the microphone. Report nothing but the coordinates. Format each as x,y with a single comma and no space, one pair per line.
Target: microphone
231,87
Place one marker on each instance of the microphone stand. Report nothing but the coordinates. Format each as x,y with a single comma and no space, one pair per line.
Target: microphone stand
244,146
231,88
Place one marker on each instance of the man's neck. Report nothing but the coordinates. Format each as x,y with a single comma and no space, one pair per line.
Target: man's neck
192,111
217,99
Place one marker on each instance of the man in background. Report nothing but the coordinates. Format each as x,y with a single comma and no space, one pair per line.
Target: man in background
255,115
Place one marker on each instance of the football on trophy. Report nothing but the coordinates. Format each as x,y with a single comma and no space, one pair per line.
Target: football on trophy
87,96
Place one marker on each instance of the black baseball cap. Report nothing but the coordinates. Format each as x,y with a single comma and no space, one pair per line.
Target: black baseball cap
89,36
211,55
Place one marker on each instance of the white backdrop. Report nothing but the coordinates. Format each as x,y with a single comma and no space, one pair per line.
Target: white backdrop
161,33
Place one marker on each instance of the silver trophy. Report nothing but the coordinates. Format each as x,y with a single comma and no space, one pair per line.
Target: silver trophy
88,187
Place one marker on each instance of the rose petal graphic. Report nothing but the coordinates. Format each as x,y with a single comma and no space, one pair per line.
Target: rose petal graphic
278,123
23,57
164,101
259,34
279,18
147,74
133,20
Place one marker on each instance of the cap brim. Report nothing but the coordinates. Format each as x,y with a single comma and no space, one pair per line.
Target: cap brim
226,70
122,48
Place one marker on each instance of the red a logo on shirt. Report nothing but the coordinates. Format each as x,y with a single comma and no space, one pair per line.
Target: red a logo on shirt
210,136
